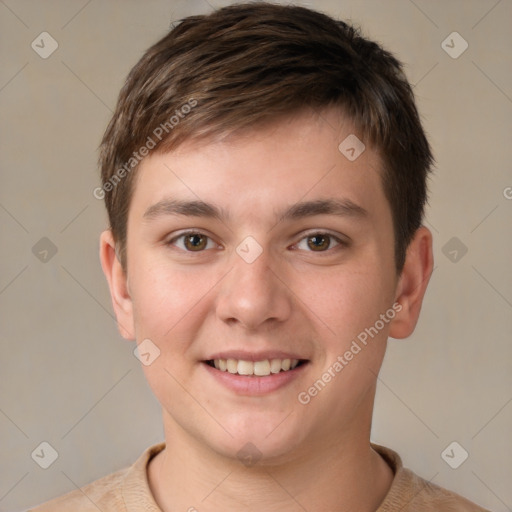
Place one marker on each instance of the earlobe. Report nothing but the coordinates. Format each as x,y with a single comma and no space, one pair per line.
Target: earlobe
413,283
118,285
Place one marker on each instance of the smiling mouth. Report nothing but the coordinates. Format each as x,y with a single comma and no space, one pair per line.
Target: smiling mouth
262,368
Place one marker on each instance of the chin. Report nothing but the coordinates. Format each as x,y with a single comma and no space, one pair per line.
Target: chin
262,443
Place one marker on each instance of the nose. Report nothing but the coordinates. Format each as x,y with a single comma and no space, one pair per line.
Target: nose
253,295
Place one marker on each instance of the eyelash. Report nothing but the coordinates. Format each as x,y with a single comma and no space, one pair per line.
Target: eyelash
339,243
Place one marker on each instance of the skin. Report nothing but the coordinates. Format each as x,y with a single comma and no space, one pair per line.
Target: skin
292,298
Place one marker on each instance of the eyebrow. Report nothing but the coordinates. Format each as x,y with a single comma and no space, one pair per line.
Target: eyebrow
187,208
338,207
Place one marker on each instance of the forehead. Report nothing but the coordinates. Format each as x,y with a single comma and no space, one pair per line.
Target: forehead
254,174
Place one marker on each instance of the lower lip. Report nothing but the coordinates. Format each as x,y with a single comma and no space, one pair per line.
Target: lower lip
253,385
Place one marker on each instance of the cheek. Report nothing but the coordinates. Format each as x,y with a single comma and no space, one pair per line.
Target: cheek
169,307
348,303
158,303
345,301
170,304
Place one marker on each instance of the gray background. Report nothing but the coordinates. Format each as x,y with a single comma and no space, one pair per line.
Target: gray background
69,379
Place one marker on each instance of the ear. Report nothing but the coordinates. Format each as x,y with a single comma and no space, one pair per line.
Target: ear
412,283
118,284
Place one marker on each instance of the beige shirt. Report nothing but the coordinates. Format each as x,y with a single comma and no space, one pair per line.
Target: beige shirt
128,490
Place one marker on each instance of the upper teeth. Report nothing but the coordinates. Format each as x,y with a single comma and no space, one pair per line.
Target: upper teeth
260,368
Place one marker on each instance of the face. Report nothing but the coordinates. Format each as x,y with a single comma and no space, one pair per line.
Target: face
253,255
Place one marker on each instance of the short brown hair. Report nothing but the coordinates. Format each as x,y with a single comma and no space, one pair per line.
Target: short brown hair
246,64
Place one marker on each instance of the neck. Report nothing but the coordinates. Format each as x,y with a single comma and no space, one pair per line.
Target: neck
343,473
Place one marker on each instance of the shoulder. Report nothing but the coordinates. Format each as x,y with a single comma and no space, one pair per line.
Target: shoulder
411,493
101,494
112,492
429,496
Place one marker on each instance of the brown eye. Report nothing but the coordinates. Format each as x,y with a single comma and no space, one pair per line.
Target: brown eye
192,241
319,242
195,241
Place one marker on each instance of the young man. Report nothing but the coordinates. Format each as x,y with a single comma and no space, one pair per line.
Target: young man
265,178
